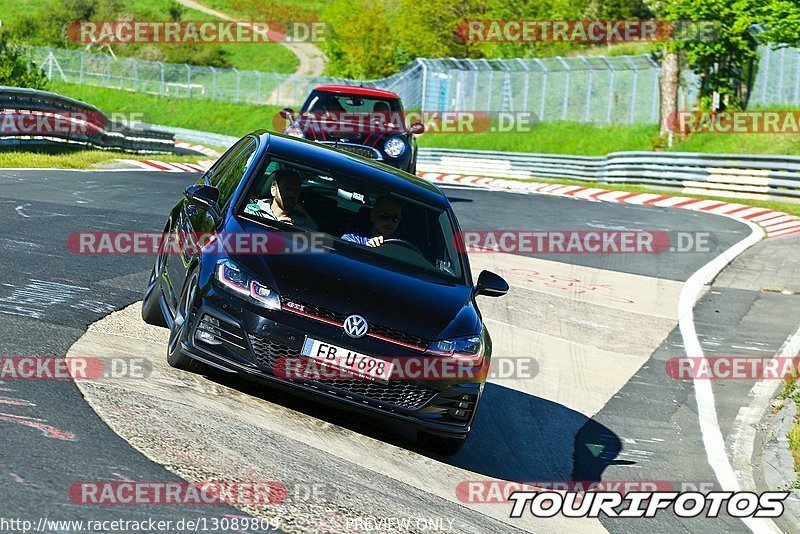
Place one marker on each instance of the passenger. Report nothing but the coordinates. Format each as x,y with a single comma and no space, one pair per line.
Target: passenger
385,217
284,202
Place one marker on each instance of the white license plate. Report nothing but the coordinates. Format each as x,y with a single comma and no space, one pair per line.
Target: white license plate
354,363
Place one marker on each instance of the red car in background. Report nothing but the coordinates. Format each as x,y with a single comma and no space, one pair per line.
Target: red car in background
364,121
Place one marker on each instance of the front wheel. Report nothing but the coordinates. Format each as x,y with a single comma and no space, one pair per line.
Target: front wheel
151,305
180,327
445,446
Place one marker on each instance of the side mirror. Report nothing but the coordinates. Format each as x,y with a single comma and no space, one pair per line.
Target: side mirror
417,128
204,197
287,113
491,285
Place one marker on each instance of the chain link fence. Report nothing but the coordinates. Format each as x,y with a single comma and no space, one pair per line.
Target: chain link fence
778,79
619,90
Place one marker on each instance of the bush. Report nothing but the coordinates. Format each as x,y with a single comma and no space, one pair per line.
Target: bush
16,69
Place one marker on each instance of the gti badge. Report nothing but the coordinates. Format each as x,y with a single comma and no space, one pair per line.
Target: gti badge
355,326
290,304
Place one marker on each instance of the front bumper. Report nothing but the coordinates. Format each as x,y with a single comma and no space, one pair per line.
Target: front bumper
249,340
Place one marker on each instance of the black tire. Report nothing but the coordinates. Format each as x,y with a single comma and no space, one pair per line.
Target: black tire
180,327
151,305
439,444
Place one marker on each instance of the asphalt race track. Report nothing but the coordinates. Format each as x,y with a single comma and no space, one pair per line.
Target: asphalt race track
601,407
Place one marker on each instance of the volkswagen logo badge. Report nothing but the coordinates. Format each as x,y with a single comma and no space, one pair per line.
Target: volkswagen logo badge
355,326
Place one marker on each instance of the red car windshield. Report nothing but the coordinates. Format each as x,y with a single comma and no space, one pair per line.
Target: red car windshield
321,101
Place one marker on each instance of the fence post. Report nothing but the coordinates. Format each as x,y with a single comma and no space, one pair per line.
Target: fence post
422,64
213,82
656,100
489,86
80,74
258,86
765,55
610,89
780,78
238,80
474,82
797,78
161,87
527,82
565,102
587,103
544,87
633,92
189,80
135,74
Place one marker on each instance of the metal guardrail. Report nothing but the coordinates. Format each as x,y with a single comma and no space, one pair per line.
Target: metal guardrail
741,175
82,125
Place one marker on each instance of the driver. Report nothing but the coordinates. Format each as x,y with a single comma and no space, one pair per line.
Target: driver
284,205
385,217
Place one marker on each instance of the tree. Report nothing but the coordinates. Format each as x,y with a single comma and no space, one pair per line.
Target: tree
16,69
722,56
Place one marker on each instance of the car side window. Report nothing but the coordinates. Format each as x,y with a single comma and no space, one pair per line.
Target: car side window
228,179
214,174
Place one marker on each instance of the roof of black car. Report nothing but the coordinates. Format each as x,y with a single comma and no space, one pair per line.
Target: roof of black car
336,161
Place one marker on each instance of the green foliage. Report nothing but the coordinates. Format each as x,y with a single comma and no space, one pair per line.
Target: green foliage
48,26
723,57
16,69
374,38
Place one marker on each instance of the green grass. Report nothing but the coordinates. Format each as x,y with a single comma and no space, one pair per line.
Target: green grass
267,57
219,117
80,159
588,140
551,138
790,392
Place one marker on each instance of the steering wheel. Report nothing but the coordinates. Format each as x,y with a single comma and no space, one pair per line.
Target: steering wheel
403,243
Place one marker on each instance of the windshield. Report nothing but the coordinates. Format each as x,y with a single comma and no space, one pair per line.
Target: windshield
337,103
363,219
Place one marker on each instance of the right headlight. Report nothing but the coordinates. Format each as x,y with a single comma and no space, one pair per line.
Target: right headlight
242,284
460,348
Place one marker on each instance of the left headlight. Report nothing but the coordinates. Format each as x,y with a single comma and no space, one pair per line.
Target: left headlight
462,348
394,147
242,284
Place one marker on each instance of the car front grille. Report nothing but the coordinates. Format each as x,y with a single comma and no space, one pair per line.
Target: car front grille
400,393
363,151
390,334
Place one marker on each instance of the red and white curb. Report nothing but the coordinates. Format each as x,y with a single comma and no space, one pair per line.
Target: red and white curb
774,223
210,152
164,166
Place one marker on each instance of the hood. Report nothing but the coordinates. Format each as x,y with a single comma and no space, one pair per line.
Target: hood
348,282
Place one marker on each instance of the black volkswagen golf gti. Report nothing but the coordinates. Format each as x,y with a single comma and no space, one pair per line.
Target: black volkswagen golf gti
367,301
